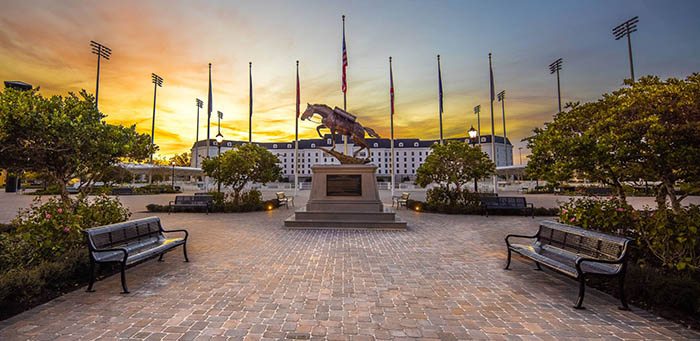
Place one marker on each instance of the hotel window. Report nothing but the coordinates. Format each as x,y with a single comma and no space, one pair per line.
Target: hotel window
415,144
376,145
328,141
400,144
289,146
313,145
274,146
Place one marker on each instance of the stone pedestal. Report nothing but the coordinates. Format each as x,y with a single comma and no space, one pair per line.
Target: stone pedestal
344,196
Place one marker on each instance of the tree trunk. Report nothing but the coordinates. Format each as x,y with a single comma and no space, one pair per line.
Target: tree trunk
65,196
661,196
675,203
620,190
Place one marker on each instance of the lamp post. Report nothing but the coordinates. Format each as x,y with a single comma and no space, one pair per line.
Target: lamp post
477,111
157,81
555,67
219,141
102,52
625,29
172,178
472,135
221,115
200,104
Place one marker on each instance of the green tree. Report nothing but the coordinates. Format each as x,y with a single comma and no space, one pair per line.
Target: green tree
648,130
64,137
241,165
182,160
454,163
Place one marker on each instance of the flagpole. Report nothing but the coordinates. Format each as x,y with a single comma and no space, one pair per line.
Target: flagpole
391,78
250,117
494,179
296,137
345,88
209,109
440,94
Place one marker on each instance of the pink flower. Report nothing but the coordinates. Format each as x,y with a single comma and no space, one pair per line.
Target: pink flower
564,211
48,216
66,229
80,217
635,218
60,210
572,219
619,209
652,214
31,205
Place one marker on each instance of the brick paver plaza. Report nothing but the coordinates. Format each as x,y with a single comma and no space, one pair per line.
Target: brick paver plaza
248,279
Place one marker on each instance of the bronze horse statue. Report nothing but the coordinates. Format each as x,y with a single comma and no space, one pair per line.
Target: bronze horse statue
341,122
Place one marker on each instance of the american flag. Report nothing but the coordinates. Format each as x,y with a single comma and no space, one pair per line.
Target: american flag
345,61
391,91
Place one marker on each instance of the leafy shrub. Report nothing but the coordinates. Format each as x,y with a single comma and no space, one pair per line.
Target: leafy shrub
46,253
612,216
672,238
249,201
446,200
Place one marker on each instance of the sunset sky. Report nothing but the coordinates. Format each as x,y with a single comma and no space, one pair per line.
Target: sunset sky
46,44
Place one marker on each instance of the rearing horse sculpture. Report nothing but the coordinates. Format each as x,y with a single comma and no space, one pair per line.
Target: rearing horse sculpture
337,120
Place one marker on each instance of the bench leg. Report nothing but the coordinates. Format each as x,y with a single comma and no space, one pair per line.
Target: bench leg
126,291
539,268
160,259
508,262
581,292
92,275
623,299
184,251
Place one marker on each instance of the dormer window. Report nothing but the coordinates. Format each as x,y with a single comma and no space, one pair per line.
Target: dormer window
274,146
313,145
400,144
415,144
328,141
289,145
376,145
229,144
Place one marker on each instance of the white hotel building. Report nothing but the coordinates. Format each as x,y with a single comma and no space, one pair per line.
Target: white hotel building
409,154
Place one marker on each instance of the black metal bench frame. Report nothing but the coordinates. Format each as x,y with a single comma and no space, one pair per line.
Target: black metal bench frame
122,191
585,248
506,203
191,201
121,236
282,198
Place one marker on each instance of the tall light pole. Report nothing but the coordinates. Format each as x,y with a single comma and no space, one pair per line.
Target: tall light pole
102,52
477,111
520,150
219,141
200,105
625,29
554,68
502,99
157,81
221,115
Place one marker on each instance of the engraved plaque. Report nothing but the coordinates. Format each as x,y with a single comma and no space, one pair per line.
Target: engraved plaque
343,185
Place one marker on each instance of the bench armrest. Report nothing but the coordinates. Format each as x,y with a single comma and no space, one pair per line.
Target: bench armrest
619,260
519,236
186,233
126,253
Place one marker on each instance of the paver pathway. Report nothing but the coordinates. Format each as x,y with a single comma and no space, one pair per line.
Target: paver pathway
249,278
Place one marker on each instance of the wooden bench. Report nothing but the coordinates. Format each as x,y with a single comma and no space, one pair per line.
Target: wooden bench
282,198
122,191
489,203
191,201
401,200
129,242
577,253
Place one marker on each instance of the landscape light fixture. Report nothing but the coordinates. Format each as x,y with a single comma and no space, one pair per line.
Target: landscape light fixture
219,141
625,29
102,52
472,133
157,81
172,163
200,105
554,68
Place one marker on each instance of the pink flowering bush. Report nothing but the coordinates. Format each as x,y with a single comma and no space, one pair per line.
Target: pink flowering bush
610,216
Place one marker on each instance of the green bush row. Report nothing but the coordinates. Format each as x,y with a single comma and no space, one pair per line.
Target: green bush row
222,202
450,201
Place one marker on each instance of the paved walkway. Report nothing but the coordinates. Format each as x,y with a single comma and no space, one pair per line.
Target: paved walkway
249,278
